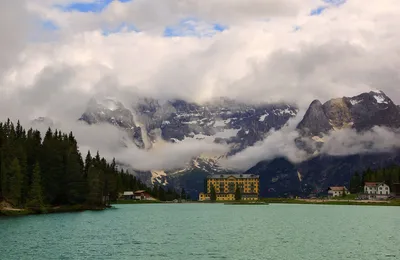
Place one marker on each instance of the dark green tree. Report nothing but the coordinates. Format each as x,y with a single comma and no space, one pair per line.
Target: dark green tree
15,182
183,194
355,183
75,180
161,194
95,188
35,197
88,163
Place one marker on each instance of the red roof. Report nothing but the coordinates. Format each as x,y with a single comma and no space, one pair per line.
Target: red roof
142,193
372,184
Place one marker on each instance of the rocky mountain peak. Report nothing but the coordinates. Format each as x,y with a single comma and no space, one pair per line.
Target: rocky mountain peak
360,112
315,121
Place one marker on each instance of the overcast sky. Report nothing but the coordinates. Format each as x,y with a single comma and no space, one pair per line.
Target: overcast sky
56,54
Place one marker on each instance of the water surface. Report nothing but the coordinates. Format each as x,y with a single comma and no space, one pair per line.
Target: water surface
204,231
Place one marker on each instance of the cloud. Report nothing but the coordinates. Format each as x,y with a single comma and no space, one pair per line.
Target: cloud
115,143
258,57
347,49
342,142
13,29
279,143
348,141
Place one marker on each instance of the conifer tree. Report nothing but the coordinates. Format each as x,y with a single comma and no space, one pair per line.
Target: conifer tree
75,183
15,182
183,194
161,194
35,198
95,188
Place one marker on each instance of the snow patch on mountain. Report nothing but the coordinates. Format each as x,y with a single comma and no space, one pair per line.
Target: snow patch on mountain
262,118
355,101
381,99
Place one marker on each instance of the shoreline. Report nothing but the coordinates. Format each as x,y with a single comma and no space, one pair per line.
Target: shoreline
11,212
333,202
391,203
14,212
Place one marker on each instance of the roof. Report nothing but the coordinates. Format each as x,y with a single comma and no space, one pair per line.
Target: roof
128,193
337,188
237,176
373,184
140,191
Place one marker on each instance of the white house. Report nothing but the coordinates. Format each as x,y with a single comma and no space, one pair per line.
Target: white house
377,190
128,195
337,191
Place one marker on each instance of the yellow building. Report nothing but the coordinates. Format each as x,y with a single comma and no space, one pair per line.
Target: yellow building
225,186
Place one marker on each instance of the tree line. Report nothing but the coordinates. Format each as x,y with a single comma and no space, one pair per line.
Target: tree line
38,173
389,175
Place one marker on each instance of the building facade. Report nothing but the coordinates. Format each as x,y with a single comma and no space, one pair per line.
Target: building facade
142,195
337,191
127,195
137,195
376,190
225,186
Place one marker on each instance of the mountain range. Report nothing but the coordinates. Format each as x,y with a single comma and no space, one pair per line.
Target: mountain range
239,126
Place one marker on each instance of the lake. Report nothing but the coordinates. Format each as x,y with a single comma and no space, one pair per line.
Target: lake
207,231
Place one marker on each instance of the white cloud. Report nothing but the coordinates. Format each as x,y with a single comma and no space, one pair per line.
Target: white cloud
276,144
13,29
348,141
337,143
260,57
115,143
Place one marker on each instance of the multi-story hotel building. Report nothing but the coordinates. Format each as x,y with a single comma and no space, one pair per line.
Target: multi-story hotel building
225,186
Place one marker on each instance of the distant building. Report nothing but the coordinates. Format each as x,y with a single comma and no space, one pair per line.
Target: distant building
142,195
337,191
204,196
376,190
127,195
225,186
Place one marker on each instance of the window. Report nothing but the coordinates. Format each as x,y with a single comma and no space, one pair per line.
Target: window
231,187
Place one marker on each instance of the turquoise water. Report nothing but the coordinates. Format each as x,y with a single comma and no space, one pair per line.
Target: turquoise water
203,231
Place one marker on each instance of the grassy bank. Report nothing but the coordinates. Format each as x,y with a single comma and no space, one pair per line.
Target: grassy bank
137,202
332,202
246,203
48,210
